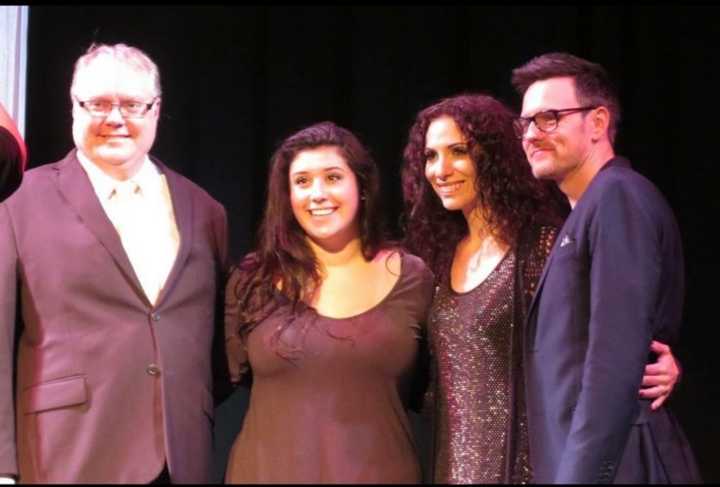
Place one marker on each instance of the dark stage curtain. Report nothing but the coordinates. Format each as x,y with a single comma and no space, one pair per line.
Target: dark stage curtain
237,80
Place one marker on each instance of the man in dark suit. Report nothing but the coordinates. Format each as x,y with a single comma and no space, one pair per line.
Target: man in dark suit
612,284
114,263
13,155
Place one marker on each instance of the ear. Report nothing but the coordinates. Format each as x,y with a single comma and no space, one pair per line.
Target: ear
599,123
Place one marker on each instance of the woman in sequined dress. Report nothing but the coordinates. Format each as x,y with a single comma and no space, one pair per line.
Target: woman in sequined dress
325,318
485,226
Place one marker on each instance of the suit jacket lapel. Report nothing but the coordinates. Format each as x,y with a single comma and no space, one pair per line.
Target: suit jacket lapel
183,209
77,190
615,161
530,321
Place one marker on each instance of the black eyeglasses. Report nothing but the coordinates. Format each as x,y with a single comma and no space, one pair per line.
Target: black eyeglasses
128,109
546,121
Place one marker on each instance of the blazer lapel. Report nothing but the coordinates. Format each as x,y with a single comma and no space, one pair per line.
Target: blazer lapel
77,190
183,209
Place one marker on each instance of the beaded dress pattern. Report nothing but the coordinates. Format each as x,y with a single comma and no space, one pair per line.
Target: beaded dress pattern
475,338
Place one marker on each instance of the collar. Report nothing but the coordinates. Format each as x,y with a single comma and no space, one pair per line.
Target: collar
616,161
104,185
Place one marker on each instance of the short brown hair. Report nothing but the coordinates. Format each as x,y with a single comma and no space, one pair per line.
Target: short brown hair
592,83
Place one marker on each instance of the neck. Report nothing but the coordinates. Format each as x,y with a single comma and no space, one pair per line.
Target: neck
574,184
119,172
478,227
338,255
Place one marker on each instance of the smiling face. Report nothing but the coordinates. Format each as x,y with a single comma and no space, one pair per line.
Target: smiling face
324,196
558,154
117,145
449,168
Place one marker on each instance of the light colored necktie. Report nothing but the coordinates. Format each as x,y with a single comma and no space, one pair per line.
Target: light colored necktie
143,235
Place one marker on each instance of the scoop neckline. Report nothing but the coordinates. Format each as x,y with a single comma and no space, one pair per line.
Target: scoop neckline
491,273
379,303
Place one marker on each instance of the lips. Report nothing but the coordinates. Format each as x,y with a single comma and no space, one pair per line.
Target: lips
321,211
448,188
538,151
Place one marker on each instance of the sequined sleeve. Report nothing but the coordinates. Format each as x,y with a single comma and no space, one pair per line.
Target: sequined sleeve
534,251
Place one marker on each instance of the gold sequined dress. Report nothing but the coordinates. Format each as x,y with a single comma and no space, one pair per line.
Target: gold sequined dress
480,426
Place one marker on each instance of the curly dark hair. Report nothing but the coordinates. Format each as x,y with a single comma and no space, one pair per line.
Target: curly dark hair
508,195
283,259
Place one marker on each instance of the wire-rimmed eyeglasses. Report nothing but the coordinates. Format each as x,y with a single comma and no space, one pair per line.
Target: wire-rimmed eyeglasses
98,107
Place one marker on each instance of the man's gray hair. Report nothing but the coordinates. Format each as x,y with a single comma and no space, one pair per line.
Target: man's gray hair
129,55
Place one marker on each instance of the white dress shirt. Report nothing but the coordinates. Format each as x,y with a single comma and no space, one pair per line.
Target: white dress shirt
141,211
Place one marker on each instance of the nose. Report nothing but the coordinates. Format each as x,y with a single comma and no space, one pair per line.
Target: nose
443,167
532,132
317,190
114,117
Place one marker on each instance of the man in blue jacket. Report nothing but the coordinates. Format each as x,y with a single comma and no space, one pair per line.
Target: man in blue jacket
612,284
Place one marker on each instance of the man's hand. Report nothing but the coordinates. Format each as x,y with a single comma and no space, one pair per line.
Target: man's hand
660,377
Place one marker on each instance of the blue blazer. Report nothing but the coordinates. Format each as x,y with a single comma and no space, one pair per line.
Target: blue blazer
612,283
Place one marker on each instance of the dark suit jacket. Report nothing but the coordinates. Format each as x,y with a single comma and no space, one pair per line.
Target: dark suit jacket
612,283
105,381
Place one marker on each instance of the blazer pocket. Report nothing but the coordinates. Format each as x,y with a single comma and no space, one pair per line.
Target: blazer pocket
569,250
563,274
55,394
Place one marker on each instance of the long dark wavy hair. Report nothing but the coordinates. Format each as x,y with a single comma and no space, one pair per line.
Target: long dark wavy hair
508,195
283,261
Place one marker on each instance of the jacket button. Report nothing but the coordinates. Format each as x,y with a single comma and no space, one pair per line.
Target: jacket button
153,370
155,316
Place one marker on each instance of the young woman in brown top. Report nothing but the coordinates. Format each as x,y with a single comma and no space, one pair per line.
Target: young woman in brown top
485,226
325,319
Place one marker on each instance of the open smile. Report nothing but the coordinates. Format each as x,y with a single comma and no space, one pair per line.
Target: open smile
322,211
448,188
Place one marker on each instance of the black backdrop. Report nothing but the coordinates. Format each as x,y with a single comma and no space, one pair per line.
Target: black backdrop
236,80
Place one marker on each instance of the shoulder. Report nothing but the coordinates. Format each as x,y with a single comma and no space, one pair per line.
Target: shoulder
239,280
9,145
38,180
415,275
621,180
412,265
178,182
621,192
537,237
242,270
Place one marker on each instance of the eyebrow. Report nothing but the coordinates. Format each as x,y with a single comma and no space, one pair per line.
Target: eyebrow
541,110
454,144
326,169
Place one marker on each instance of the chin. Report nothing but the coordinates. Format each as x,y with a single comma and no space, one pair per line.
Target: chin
320,234
115,157
453,204
541,171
